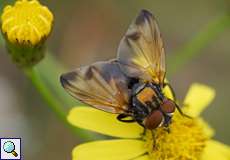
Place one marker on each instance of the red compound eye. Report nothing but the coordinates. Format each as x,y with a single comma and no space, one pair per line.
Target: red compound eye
154,120
168,106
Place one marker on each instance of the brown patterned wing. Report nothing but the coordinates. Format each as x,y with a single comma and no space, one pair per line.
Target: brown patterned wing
101,85
141,51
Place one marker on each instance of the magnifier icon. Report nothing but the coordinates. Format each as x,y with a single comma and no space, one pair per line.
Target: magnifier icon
9,147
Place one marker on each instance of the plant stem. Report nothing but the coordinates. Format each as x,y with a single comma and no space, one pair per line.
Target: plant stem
50,71
203,38
53,102
36,80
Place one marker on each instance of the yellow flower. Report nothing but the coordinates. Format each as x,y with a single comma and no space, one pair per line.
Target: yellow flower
189,139
26,22
25,26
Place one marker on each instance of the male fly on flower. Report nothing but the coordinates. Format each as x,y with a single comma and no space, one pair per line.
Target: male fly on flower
131,85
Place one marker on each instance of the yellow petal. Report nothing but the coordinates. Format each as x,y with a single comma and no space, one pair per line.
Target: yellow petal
109,150
168,92
198,98
145,157
208,130
216,151
103,122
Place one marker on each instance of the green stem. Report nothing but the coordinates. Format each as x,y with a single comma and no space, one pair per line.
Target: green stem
203,38
36,80
52,101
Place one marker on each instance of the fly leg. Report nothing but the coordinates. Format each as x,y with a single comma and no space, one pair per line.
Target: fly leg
122,118
167,129
174,98
171,89
181,112
144,132
154,139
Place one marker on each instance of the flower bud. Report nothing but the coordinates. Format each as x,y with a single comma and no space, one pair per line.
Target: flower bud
25,27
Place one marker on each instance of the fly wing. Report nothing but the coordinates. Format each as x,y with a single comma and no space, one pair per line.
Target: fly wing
101,85
141,51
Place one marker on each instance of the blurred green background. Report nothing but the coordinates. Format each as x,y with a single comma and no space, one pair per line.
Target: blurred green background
87,31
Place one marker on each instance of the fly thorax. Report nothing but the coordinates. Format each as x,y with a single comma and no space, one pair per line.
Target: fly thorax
146,95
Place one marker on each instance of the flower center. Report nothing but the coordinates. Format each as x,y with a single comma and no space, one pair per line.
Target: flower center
185,140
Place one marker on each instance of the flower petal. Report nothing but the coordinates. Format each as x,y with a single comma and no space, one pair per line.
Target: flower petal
103,122
109,149
198,98
144,157
216,150
208,130
168,92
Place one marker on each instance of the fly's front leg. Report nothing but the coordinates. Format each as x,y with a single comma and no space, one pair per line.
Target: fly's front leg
174,99
181,112
171,90
154,139
167,129
144,132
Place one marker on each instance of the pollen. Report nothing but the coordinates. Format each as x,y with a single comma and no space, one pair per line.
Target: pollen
185,140
26,22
